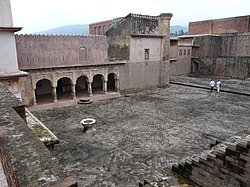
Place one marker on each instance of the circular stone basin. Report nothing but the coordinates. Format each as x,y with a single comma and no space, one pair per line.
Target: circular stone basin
88,123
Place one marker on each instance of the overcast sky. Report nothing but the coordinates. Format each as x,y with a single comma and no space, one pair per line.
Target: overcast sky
40,15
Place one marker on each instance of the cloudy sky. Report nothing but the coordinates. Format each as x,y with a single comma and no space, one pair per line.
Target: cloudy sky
40,15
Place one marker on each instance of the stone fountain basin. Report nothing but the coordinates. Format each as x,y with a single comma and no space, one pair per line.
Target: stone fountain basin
88,122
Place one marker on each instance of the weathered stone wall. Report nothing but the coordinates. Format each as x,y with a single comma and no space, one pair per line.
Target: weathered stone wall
209,46
173,52
225,55
219,26
180,66
235,45
51,51
226,164
119,35
235,67
27,90
139,76
32,163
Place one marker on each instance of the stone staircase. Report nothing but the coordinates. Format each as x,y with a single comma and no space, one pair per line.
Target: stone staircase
225,164
203,68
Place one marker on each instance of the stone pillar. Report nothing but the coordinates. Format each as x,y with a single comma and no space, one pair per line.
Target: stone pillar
105,86
54,95
90,89
73,90
165,48
34,97
165,32
117,84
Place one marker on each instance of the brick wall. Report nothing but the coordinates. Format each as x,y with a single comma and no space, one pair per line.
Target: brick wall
218,26
99,28
8,168
199,27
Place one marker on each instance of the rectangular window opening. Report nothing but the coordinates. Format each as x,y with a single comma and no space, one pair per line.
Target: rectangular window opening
146,54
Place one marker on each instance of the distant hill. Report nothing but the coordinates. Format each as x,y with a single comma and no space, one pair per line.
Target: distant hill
178,30
84,29
67,29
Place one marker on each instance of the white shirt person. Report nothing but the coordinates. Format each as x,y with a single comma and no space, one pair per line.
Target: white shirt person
212,85
218,85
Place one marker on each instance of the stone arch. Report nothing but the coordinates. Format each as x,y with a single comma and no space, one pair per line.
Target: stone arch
43,91
81,86
64,88
99,30
112,78
98,83
95,31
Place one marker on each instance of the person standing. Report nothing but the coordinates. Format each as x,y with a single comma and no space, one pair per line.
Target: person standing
211,84
218,85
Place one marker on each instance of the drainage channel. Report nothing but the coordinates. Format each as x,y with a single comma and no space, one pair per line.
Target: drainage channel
201,87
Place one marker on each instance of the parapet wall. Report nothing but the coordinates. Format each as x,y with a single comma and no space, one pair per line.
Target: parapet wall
53,51
219,26
26,161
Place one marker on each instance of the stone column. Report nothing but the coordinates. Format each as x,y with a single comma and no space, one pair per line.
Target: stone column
117,84
165,48
54,95
165,32
34,97
90,89
73,91
105,86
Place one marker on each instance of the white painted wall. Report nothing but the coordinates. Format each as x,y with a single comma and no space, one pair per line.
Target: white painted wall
8,55
5,14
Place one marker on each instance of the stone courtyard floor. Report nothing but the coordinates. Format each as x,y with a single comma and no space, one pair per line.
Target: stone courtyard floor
138,136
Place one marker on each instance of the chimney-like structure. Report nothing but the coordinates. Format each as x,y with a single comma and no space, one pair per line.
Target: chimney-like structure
165,48
165,32
9,72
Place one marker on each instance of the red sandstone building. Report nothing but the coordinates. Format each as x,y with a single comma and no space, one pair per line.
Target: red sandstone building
132,56
217,47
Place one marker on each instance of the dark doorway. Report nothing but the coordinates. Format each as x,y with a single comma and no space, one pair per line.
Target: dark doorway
43,91
97,84
194,67
111,82
63,88
81,86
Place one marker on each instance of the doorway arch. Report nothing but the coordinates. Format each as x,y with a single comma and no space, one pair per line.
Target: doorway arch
43,91
194,67
111,82
63,89
81,86
97,84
